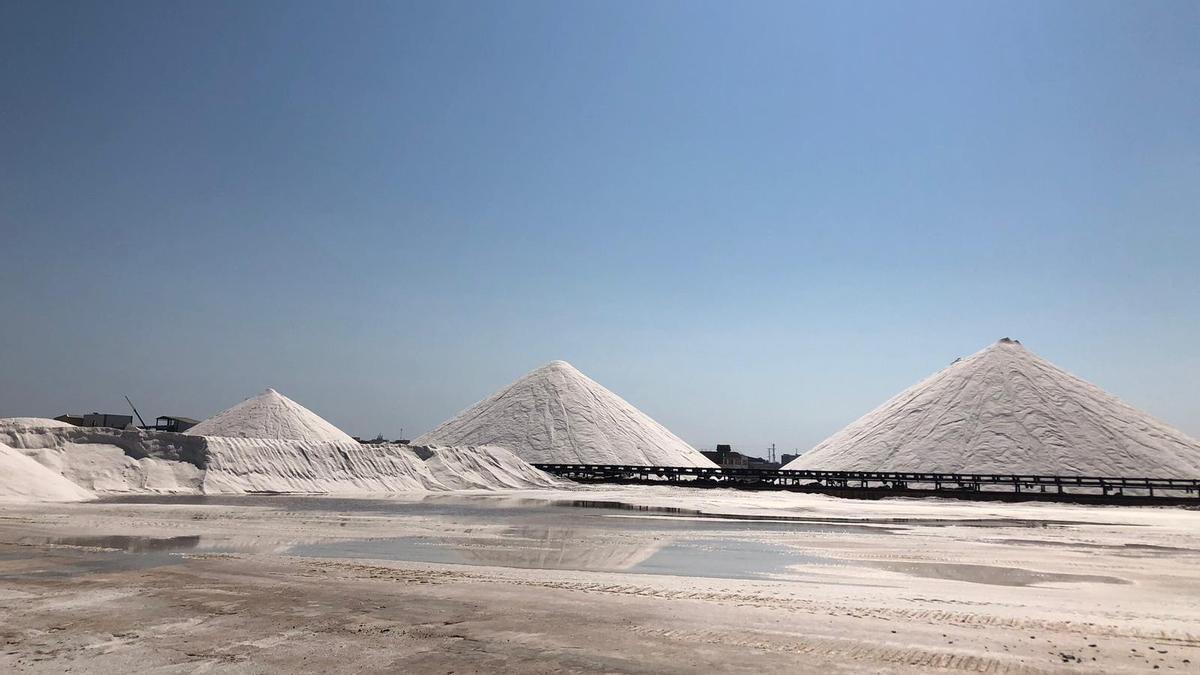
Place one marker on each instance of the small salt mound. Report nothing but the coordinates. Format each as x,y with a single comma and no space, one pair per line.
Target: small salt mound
1005,410
557,415
485,468
32,423
22,478
270,415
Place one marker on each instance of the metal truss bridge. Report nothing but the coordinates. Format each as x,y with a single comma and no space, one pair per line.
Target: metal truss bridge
877,484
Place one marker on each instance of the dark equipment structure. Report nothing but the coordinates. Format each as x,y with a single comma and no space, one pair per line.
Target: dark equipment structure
879,484
141,422
173,424
726,457
104,420
163,423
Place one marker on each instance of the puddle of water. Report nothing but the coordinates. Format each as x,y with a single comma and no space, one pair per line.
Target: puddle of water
1150,549
924,522
543,534
520,547
564,550
749,522
493,509
88,554
724,559
120,542
67,563
1002,522
583,512
141,545
526,547
623,506
985,574
91,554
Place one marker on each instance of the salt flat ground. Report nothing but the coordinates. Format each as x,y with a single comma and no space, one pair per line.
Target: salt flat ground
616,580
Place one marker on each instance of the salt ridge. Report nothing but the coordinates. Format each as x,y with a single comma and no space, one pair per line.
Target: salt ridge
77,462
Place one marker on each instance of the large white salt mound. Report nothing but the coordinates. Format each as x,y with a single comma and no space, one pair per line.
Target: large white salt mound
557,415
270,415
33,423
1005,410
22,478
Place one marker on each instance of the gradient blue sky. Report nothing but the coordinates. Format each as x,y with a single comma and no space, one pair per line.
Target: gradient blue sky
755,221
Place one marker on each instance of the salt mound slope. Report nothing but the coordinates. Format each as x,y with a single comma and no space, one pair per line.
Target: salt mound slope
1006,410
239,465
22,478
270,415
33,423
114,461
485,467
557,415
236,465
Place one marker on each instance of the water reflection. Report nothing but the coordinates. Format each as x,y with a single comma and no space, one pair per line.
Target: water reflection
526,547
496,507
529,547
608,515
560,548
991,575
583,535
183,544
121,542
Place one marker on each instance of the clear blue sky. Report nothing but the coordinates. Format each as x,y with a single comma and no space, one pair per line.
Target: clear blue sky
755,221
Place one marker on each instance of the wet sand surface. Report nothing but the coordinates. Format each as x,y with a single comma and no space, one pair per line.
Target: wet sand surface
615,580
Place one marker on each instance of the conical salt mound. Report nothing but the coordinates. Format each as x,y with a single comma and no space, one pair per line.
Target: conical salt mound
1005,410
270,415
556,415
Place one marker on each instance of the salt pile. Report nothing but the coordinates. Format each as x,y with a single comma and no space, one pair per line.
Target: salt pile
270,415
116,461
22,478
238,466
32,423
557,415
1005,410
484,467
